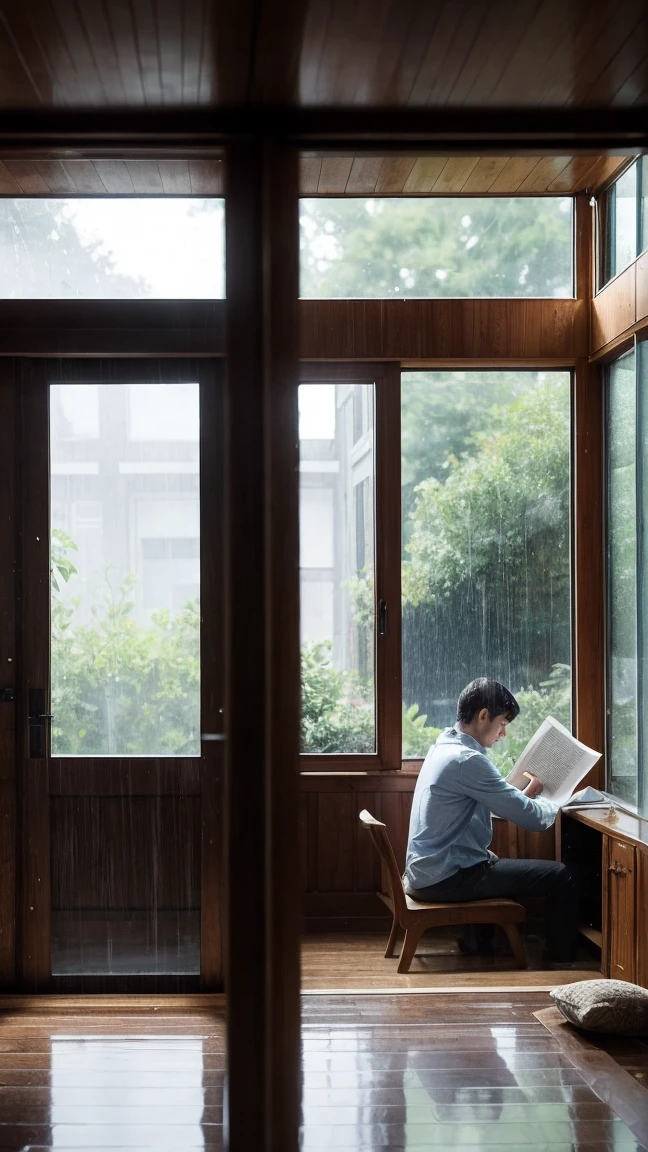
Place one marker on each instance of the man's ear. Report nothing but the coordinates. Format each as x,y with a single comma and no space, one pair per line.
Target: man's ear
484,716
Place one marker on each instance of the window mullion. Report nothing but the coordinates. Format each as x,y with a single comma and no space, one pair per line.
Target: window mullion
388,568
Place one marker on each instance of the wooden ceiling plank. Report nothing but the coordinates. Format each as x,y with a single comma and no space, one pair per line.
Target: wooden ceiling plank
472,34
170,49
65,84
115,177
147,51
573,177
454,175
334,175
363,176
206,177
393,176
175,177
102,46
407,33
424,174
607,168
527,62
120,17
512,175
313,41
445,31
8,186
27,176
614,25
193,37
146,177
624,78
56,178
83,175
18,87
487,60
545,172
309,174
78,49
29,47
484,174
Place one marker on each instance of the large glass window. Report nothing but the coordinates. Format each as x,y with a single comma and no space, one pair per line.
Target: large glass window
486,556
112,249
623,513
436,247
623,224
336,494
125,569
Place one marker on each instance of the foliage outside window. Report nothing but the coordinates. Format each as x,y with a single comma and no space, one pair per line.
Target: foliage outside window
486,564
436,247
626,450
106,248
125,558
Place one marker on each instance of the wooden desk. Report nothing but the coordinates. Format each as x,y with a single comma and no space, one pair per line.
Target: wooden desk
613,858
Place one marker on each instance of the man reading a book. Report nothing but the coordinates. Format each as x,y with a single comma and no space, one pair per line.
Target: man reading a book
457,792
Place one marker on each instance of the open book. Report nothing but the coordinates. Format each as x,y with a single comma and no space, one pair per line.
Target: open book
557,758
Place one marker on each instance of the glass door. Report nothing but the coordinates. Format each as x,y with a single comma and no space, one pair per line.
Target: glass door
122,680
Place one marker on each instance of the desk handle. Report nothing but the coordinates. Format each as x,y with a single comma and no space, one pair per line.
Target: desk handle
618,869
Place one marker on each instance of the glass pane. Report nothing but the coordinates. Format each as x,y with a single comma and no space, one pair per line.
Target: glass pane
336,516
622,580
625,216
486,569
432,247
112,249
125,569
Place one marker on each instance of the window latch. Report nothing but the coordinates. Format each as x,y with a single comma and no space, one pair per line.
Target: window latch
382,617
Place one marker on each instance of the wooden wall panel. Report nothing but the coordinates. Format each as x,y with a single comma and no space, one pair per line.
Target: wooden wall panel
614,309
340,866
136,852
443,329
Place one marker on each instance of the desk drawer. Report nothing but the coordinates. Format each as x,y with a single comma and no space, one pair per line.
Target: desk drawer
621,877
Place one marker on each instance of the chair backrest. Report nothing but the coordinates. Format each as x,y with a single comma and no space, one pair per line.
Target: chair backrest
391,875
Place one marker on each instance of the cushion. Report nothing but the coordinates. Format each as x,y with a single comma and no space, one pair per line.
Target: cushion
604,1006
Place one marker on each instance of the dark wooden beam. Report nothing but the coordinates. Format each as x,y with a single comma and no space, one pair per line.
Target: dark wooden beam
471,131
262,792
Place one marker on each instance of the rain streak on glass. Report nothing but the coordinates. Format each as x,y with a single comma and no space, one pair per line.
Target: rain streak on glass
125,569
486,554
336,518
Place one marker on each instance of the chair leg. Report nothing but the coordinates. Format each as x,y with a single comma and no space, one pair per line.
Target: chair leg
412,937
515,940
394,936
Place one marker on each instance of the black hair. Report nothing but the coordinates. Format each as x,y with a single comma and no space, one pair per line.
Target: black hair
489,694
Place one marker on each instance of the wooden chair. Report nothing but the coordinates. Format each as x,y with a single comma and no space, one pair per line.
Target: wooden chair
412,917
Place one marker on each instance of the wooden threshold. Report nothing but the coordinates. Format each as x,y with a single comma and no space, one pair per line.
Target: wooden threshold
99,1004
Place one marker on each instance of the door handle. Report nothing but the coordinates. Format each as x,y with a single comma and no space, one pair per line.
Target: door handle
37,720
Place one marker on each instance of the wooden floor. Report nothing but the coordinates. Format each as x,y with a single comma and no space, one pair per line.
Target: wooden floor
379,1072
356,961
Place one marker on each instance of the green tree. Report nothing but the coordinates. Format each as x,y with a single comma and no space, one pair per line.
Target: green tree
422,247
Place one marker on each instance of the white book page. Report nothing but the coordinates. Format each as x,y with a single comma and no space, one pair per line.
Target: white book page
557,758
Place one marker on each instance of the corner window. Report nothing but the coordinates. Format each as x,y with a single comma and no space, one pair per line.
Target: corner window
626,450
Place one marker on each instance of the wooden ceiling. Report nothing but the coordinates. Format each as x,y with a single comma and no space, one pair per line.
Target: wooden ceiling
319,176
435,54
455,175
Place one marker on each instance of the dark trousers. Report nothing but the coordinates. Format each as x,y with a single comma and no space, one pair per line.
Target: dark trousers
558,883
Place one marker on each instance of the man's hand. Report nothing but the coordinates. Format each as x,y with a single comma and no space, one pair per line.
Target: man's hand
533,788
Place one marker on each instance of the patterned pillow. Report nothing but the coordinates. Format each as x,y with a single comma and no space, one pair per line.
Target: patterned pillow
604,1006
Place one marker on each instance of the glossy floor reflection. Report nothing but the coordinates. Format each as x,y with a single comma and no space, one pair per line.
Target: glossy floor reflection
390,1072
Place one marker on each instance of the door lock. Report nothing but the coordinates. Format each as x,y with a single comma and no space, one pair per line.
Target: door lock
7,695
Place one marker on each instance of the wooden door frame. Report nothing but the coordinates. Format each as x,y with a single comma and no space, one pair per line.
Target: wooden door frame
117,776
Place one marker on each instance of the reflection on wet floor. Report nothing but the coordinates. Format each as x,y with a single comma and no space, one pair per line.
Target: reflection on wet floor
404,1072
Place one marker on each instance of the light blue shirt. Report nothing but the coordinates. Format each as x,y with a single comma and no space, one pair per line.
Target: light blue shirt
450,824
